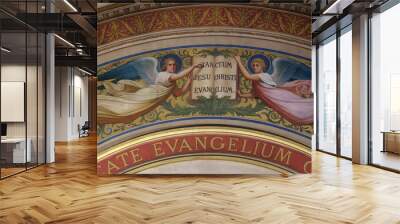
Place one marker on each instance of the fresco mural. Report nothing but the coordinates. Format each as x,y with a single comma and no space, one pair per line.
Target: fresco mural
247,106
205,81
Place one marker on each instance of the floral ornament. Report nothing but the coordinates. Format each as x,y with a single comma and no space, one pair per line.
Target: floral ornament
274,117
151,116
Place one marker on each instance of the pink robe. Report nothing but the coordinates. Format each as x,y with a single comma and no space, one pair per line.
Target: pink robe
288,100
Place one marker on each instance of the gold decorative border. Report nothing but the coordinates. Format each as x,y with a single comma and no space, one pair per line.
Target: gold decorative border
170,18
179,131
154,164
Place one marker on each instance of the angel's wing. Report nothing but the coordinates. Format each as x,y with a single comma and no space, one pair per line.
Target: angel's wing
142,68
285,70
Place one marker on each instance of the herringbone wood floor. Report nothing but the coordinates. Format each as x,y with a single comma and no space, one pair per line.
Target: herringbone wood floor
70,192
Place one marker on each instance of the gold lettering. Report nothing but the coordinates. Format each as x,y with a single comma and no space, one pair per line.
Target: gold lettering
123,157
185,145
256,147
202,143
172,148
307,167
213,145
232,144
111,166
135,155
157,149
263,154
283,156
244,146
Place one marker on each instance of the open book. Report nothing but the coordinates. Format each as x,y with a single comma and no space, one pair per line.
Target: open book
217,77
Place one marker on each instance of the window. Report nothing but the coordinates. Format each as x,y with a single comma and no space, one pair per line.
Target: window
327,96
22,75
385,88
346,92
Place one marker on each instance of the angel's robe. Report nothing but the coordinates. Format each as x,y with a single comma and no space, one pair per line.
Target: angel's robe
286,99
163,79
132,97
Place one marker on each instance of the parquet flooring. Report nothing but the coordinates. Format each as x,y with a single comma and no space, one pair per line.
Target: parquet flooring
10,171
70,192
387,159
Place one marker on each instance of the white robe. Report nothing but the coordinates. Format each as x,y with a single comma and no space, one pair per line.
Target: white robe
268,79
122,99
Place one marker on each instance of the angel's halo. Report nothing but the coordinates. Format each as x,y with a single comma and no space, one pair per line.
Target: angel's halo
177,59
267,61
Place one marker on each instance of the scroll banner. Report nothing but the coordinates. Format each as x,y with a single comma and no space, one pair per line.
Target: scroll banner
251,147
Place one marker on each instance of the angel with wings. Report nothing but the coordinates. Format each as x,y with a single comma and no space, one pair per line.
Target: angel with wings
283,84
137,87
